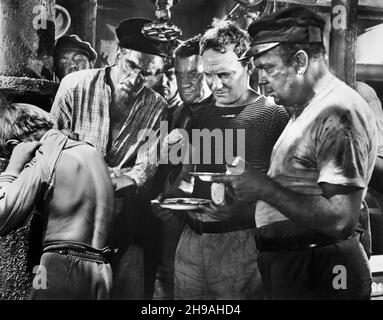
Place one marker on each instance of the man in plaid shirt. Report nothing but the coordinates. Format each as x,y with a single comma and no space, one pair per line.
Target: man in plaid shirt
110,108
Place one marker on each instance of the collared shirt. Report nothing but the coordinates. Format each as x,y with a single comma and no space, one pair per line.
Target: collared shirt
82,105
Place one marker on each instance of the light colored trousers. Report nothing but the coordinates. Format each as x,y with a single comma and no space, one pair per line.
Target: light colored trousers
217,266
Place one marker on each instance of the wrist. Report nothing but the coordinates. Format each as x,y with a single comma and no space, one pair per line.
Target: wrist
268,189
9,175
13,170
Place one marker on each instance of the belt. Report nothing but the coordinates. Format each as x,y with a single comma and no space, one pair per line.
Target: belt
200,227
103,256
276,245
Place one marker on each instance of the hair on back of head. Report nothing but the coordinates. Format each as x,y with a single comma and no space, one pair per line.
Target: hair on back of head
22,122
188,48
222,34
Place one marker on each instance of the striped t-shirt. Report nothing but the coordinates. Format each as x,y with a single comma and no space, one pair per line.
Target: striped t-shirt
249,131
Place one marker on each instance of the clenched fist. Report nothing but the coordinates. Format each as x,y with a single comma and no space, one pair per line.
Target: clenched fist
22,153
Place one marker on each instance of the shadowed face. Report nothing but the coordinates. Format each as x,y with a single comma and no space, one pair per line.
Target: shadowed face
133,67
281,81
190,78
166,84
69,61
227,78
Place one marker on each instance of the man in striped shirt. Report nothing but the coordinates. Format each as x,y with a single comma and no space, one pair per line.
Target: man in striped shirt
216,255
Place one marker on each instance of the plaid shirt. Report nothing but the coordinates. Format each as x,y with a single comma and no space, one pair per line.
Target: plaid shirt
82,105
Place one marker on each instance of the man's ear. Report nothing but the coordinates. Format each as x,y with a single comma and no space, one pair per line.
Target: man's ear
302,61
11,143
119,53
250,67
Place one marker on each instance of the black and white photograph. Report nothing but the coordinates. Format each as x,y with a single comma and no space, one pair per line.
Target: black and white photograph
191,150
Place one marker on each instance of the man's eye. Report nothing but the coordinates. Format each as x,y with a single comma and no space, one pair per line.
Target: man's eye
146,74
80,60
225,75
63,60
131,65
193,75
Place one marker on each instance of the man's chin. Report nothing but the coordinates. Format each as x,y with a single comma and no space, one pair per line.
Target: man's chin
124,96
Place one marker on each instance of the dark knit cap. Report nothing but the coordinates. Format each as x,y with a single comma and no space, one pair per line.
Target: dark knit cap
295,24
130,36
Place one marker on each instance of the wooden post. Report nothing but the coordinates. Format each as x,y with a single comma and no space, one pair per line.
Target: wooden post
83,15
344,14
87,24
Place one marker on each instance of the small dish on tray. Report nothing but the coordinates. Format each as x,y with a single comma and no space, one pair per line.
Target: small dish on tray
181,203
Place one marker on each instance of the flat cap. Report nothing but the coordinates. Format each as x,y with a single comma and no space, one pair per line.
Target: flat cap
130,36
73,42
295,24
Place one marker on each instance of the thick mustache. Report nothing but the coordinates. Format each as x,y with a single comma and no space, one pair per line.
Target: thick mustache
126,81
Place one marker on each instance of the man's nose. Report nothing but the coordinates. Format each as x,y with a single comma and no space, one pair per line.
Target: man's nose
164,80
262,77
216,83
134,75
185,83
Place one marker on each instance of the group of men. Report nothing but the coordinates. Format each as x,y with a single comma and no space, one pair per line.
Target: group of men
286,221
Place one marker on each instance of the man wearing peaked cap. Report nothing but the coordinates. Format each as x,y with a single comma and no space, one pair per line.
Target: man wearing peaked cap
110,108
72,54
292,25
309,203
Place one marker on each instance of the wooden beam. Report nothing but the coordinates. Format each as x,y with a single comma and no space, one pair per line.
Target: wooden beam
343,39
375,4
87,26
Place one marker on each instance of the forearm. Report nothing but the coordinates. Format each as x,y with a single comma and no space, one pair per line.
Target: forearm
327,215
16,203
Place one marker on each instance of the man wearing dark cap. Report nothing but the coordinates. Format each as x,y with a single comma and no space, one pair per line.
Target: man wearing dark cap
196,98
112,108
72,54
309,204
166,83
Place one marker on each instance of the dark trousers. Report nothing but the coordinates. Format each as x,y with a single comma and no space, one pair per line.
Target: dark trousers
135,234
171,231
317,273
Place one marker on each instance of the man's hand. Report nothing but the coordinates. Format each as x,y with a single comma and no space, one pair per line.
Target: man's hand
175,137
247,187
161,213
220,213
21,155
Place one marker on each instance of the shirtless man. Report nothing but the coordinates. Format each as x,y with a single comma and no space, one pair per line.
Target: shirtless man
70,185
